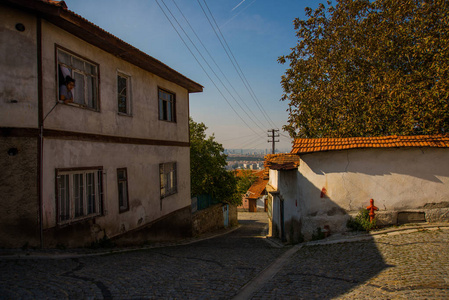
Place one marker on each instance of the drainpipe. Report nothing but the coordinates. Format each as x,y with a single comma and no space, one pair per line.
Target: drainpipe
41,127
41,119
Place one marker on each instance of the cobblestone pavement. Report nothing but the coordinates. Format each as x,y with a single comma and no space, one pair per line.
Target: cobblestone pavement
400,265
406,265
213,268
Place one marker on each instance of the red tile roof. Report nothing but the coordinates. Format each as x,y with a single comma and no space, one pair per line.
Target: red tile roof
257,189
301,146
283,161
242,173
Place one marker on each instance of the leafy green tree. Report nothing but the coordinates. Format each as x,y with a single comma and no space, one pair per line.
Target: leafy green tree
244,181
207,167
369,68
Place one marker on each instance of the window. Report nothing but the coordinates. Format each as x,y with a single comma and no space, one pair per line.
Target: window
167,173
167,106
79,194
123,94
85,74
122,181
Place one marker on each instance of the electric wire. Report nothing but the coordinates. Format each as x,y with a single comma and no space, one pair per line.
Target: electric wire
249,142
191,52
218,67
236,64
244,80
237,138
255,147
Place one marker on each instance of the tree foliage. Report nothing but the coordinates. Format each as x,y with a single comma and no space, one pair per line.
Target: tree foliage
369,68
207,167
244,181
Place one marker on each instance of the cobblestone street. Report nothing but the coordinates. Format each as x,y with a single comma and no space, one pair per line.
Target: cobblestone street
403,264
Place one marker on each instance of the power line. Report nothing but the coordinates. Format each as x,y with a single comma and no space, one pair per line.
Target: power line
249,142
236,64
191,52
241,137
213,60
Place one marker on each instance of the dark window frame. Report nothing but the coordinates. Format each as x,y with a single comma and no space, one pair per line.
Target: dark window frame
127,95
123,208
72,216
168,188
165,104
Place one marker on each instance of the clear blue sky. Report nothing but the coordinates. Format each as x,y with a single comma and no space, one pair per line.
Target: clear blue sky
256,31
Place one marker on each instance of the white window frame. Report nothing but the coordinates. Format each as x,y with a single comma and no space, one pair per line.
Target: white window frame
73,194
128,94
77,73
168,176
166,107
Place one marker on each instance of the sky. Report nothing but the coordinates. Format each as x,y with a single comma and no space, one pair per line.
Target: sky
232,51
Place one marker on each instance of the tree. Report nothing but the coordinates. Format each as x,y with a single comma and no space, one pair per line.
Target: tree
245,178
369,68
207,167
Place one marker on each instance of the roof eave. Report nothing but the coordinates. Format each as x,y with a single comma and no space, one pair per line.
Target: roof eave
96,36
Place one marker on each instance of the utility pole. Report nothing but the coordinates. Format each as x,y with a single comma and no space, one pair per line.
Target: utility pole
273,136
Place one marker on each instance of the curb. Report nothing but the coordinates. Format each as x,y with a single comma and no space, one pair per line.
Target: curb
379,234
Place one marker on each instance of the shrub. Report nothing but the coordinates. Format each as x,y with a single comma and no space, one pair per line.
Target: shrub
361,222
319,235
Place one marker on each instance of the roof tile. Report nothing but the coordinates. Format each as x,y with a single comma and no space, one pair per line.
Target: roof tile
257,188
301,146
283,161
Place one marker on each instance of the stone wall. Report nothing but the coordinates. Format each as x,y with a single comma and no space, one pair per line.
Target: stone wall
175,226
19,202
211,219
233,216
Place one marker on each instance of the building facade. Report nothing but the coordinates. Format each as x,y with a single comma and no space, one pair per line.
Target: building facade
111,161
334,178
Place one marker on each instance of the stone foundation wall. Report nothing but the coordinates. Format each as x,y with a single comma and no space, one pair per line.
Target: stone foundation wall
19,202
211,219
174,226
429,215
233,216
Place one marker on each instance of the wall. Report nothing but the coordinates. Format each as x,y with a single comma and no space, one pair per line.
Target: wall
407,184
288,194
18,63
19,202
399,179
144,122
19,82
395,178
211,219
142,161
174,226
18,107
273,178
